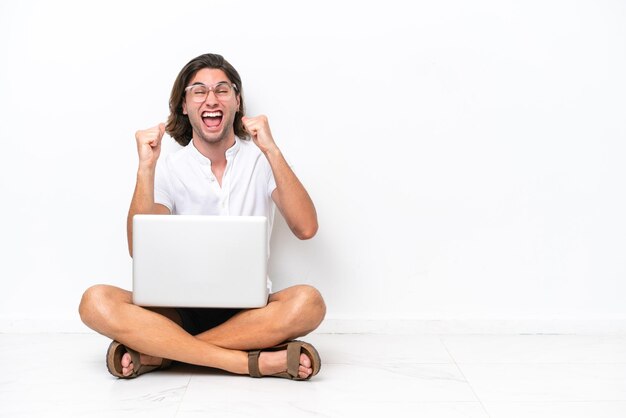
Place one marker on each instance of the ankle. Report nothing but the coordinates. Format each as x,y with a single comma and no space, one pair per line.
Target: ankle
147,360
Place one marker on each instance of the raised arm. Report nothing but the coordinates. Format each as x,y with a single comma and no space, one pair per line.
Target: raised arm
290,196
149,149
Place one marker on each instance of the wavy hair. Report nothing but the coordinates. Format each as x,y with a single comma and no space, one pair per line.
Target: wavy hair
178,125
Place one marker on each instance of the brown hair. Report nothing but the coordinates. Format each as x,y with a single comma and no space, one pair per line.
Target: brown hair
178,125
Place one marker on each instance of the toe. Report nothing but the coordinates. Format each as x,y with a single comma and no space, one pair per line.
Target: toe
127,371
126,360
304,372
305,360
127,365
305,369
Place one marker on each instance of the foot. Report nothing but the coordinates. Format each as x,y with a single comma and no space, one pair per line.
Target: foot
272,362
128,367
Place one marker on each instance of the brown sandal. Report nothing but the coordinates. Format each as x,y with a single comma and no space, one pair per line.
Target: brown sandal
294,349
114,361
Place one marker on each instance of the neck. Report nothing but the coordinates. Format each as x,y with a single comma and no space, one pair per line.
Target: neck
214,151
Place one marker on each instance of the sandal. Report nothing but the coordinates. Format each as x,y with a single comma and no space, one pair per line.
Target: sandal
294,349
114,361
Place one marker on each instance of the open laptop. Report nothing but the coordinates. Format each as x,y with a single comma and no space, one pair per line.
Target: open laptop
200,261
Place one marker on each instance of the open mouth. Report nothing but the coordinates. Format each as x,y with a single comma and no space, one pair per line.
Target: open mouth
212,119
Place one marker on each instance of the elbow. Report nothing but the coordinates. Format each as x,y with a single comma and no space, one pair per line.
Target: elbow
307,233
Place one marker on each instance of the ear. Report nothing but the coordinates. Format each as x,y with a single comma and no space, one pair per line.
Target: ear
184,107
238,103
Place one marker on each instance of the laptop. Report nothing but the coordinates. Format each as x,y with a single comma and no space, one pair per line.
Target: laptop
200,261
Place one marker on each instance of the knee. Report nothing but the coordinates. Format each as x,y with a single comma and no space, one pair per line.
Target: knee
308,309
94,305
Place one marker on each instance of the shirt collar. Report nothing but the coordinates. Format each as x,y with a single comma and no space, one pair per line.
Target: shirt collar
230,152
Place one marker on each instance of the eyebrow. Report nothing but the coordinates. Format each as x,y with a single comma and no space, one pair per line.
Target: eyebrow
199,83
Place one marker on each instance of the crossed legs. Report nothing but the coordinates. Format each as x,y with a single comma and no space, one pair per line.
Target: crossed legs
157,334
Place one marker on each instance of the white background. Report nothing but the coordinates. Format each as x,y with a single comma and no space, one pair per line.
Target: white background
466,157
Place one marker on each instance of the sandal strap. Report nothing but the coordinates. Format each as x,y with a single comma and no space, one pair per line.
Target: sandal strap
294,350
144,369
293,358
253,363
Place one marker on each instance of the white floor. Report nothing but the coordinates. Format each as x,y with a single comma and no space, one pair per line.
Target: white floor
54,375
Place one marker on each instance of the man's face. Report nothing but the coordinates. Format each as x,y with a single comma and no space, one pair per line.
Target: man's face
212,119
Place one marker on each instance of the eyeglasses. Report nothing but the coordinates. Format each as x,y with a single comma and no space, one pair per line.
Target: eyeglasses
199,92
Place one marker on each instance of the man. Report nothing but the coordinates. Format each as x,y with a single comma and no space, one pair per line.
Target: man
221,171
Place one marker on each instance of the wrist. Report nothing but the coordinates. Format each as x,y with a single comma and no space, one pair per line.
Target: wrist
146,169
272,152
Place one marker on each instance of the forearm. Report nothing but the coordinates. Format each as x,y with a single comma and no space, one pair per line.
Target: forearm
142,202
292,198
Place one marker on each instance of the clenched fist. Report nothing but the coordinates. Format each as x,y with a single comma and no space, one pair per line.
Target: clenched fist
149,145
259,129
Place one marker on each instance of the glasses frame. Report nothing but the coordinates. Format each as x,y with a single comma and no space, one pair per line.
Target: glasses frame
211,89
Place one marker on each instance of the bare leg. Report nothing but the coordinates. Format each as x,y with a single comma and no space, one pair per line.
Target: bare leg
109,311
290,313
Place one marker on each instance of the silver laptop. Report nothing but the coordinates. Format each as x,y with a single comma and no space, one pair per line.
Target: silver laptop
200,261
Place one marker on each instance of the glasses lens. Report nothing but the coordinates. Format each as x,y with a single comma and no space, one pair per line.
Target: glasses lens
198,93
222,90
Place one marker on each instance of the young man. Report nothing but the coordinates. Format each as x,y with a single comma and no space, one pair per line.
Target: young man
221,171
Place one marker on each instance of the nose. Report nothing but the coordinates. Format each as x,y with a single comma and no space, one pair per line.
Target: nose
211,98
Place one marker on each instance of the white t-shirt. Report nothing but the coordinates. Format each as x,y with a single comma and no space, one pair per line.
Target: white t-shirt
185,184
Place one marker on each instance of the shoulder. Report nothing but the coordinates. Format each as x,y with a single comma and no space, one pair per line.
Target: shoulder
248,151
181,154
248,146
176,158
